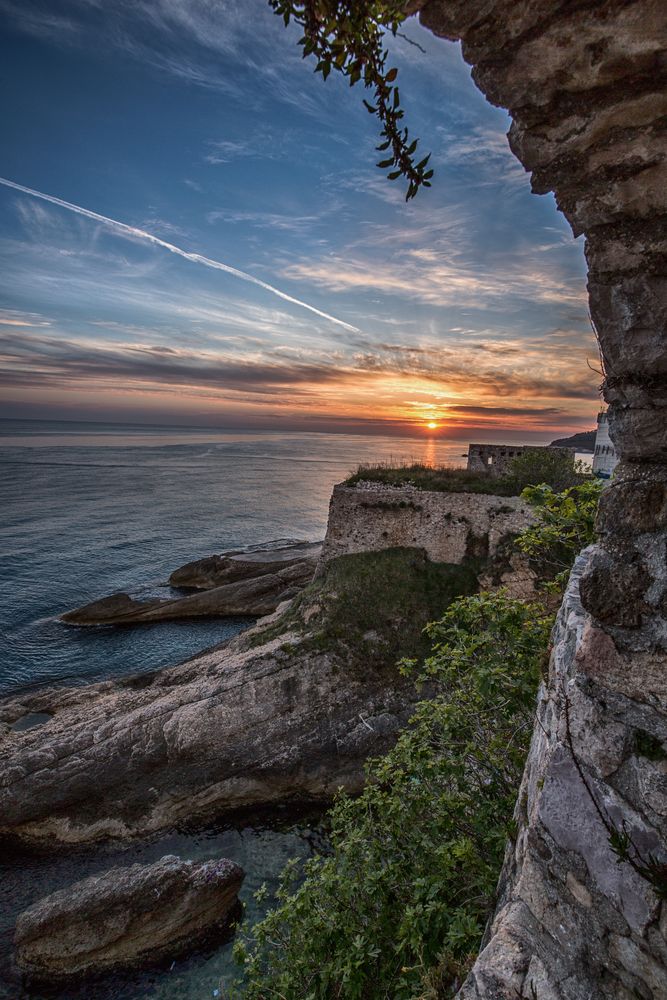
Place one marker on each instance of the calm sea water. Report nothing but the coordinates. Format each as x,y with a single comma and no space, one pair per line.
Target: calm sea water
91,509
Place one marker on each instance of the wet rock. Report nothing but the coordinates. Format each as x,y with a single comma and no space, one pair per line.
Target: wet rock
238,583
295,560
275,716
125,917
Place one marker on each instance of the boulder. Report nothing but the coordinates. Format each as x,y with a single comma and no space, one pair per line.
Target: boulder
125,917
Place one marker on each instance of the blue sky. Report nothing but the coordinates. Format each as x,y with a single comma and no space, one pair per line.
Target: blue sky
198,122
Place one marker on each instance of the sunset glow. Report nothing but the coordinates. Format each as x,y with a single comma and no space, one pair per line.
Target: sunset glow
229,280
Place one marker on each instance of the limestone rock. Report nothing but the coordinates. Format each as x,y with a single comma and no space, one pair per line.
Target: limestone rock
237,583
125,917
295,561
275,716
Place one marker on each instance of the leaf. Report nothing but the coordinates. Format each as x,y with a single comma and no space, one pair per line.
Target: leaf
391,75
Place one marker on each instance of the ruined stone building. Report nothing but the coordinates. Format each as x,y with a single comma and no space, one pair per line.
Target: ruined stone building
495,460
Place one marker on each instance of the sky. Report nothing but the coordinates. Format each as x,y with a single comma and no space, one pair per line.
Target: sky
240,261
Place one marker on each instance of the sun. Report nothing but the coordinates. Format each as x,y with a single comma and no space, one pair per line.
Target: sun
432,426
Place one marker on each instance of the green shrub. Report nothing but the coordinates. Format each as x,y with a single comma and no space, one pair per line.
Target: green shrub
565,525
552,466
414,861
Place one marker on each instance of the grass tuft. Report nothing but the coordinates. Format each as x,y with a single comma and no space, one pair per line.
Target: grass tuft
436,478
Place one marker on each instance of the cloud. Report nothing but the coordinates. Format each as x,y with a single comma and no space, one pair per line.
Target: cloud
436,279
193,40
39,22
16,317
45,362
389,376
172,248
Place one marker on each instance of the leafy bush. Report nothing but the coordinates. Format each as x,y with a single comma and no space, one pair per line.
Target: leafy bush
565,525
414,861
553,466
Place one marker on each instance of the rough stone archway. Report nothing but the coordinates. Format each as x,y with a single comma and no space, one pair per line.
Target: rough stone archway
586,86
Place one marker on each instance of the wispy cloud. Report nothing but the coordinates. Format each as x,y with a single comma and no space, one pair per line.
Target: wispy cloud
196,258
16,317
436,279
392,376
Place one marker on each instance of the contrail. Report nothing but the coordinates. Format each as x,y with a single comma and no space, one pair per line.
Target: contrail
197,258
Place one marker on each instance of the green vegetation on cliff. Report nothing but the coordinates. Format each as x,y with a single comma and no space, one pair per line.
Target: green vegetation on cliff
414,860
397,907
438,478
374,605
565,525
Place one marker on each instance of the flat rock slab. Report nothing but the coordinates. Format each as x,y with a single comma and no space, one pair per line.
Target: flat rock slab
250,583
125,917
214,571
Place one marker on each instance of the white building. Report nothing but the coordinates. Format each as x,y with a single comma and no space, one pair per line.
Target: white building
604,459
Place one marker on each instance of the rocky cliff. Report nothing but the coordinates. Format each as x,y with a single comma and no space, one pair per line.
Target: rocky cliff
286,712
586,86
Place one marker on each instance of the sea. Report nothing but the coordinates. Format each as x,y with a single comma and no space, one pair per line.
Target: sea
89,509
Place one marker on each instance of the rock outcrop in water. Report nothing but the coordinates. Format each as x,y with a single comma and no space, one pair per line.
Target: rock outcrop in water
286,712
250,583
586,86
125,917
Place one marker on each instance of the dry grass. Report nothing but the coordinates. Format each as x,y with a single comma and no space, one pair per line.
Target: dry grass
437,478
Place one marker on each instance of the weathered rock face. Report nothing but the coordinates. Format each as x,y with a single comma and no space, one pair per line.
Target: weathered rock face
295,561
586,86
125,917
573,923
234,728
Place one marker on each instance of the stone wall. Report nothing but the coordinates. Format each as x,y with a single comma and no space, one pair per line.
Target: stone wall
586,86
369,517
496,460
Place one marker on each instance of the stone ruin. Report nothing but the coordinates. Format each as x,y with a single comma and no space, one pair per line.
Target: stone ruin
495,460
586,86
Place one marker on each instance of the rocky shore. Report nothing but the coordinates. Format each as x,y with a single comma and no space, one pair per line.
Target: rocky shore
276,715
286,712
125,917
252,582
